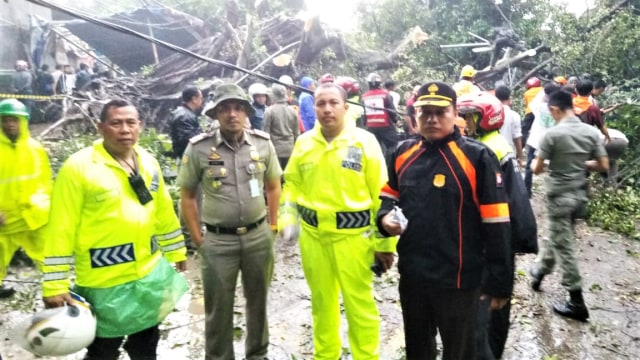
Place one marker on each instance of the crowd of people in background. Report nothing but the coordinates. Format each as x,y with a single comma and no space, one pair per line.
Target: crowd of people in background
344,172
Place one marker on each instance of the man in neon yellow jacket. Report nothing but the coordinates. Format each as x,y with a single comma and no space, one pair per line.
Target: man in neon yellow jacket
332,183
25,184
111,212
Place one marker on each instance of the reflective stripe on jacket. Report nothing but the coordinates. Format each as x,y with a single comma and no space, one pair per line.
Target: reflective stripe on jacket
374,101
452,193
524,228
335,184
97,220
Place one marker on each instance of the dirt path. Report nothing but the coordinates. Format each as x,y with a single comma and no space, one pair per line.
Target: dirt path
609,264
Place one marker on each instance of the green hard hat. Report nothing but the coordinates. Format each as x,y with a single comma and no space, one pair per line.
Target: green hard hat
13,107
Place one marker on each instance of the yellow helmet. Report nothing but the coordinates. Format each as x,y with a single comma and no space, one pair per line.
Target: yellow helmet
468,71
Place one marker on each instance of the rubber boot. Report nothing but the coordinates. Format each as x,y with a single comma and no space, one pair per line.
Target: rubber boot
536,278
574,308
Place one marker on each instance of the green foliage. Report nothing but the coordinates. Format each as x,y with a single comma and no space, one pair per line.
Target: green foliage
59,151
615,209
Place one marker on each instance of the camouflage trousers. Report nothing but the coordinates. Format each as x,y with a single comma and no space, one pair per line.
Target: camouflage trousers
561,246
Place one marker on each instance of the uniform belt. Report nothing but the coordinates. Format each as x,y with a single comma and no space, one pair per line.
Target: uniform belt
238,231
344,219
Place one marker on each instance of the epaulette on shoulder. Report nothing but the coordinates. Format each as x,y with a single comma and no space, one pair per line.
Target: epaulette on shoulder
200,137
260,133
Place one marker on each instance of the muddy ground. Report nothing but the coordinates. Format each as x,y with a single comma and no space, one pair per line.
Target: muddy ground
609,264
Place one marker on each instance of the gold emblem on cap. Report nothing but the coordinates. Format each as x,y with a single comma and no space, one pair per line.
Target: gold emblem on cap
433,88
439,180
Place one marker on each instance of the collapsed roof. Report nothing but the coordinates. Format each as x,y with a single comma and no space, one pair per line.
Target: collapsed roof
132,53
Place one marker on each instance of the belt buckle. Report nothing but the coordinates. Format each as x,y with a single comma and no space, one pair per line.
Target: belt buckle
241,230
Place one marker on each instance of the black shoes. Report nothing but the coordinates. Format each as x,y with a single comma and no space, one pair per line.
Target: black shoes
572,310
536,278
6,292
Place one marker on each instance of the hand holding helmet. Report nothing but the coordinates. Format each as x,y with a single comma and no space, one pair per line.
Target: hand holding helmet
58,331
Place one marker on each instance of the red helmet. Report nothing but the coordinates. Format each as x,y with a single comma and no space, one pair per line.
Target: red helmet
489,110
533,82
349,84
326,78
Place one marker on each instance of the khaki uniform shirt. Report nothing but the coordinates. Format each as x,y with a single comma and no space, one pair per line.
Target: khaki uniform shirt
232,176
567,146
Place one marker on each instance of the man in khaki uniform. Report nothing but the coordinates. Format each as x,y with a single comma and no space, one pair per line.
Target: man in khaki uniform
235,166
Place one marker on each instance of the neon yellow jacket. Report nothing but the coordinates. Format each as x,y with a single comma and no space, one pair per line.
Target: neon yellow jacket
345,175
354,112
498,144
464,87
25,182
97,219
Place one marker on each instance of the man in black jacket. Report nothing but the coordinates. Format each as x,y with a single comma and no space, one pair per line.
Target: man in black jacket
183,126
184,120
451,190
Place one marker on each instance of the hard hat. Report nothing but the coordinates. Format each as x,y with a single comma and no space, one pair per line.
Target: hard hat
13,107
257,89
374,80
468,71
560,80
349,84
286,79
487,110
58,331
278,93
326,78
533,82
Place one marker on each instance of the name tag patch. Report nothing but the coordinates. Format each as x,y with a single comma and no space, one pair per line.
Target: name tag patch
353,160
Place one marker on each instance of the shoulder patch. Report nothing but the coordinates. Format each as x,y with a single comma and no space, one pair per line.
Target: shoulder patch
200,137
260,133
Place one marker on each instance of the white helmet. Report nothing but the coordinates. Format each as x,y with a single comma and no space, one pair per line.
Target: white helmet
58,331
257,89
286,79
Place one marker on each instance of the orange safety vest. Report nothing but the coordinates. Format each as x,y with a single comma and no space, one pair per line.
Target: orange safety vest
528,96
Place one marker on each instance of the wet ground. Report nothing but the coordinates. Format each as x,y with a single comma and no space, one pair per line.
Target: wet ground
609,265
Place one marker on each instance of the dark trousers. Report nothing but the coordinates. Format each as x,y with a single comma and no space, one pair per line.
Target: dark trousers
492,330
387,137
528,174
139,346
527,121
283,162
451,312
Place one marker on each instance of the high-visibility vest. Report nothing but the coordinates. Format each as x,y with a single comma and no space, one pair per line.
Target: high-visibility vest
374,108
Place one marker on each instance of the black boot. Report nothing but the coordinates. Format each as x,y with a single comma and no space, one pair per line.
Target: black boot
536,278
6,292
574,308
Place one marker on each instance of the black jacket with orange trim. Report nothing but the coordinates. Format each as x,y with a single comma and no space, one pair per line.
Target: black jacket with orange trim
453,195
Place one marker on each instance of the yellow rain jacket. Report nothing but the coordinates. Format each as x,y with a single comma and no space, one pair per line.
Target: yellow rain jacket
25,182
328,179
97,219
335,187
